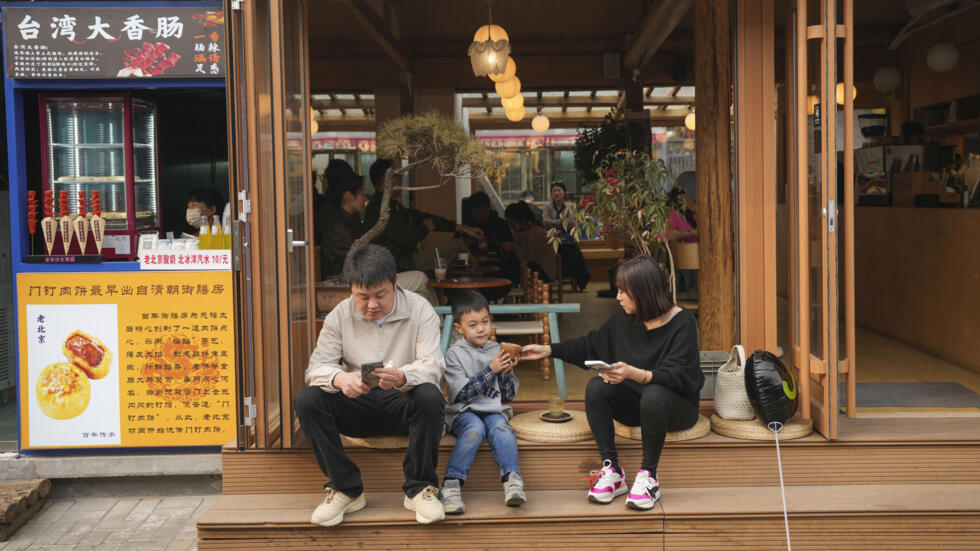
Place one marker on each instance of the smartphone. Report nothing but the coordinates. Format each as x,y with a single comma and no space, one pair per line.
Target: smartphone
597,365
367,373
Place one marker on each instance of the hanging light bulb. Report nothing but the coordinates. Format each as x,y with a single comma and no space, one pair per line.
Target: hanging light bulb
508,72
887,79
508,89
314,127
690,121
540,123
516,115
840,93
942,57
510,104
490,49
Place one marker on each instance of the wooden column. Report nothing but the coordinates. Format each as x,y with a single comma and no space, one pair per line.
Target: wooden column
716,237
756,177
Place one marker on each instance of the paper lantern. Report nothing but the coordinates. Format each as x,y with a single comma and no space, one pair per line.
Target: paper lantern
540,123
516,115
509,72
508,89
840,93
942,57
887,79
811,103
510,104
771,388
313,114
489,50
689,121
314,127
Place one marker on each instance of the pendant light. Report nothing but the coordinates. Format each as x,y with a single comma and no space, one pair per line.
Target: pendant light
540,123
942,57
490,49
509,88
690,121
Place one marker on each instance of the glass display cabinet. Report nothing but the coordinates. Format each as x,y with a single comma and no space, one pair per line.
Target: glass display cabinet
105,143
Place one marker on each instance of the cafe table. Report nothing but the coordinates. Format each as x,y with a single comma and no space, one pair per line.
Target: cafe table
472,271
493,288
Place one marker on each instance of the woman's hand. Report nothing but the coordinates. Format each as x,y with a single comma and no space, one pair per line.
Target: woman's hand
535,352
622,371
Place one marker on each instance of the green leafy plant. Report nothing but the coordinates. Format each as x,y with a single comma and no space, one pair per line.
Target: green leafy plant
596,143
428,139
630,199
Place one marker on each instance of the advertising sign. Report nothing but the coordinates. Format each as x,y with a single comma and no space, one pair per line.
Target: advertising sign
114,42
126,359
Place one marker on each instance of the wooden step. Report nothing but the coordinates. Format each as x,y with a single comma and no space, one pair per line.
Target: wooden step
707,462
862,517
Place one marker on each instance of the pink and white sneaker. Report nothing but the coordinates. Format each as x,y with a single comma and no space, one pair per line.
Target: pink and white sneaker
611,484
644,493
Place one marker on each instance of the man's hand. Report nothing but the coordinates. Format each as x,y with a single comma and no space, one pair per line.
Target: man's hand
391,377
503,363
535,351
429,224
350,384
475,233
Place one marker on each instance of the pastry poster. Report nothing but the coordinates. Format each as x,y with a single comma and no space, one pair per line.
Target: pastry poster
114,42
126,359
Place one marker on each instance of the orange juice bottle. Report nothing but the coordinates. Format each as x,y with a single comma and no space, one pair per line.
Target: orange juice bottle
204,241
226,231
216,239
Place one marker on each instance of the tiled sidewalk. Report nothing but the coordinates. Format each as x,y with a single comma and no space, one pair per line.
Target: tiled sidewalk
110,524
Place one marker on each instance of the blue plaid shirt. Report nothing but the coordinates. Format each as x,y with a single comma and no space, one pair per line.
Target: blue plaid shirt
482,383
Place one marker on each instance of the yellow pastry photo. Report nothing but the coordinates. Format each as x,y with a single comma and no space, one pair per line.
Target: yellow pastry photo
88,353
63,390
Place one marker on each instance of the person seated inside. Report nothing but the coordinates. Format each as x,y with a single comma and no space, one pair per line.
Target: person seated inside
480,381
202,204
528,197
407,227
683,227
496,232
376,370
336,170
341,215
530,243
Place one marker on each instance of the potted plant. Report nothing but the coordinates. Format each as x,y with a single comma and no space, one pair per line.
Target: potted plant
630,199
429,139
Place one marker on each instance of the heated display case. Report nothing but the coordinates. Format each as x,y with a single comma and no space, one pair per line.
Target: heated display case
105,143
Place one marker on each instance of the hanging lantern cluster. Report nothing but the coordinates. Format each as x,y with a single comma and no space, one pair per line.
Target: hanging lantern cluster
314,125
490,56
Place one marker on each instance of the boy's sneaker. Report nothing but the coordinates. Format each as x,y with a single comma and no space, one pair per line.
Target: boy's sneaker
426,505
514,495
611,484
335,504
452,497
644,493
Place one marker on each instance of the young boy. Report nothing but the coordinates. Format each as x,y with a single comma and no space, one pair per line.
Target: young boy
480,380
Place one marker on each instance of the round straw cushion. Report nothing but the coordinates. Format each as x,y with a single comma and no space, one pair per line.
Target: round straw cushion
529,426
701,428
796,427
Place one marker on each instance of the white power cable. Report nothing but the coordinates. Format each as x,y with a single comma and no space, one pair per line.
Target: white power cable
776,427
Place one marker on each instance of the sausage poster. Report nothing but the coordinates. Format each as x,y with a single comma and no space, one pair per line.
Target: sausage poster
126,359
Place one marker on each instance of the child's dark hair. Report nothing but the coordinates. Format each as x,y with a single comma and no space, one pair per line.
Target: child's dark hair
469,301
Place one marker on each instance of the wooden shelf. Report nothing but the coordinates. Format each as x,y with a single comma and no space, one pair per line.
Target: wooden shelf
959,127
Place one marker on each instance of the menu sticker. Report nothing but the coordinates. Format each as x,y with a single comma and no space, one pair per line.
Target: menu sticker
114,42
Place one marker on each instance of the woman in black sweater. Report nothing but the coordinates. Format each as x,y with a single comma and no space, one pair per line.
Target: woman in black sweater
655,380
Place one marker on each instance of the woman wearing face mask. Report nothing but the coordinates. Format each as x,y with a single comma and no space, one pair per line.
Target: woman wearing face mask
202,203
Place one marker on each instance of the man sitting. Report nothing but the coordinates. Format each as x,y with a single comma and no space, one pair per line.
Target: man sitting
378,323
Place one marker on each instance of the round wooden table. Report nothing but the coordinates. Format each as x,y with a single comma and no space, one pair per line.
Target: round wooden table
472,271
494,288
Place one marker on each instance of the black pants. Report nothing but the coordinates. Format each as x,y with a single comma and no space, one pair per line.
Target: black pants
417,413
656,409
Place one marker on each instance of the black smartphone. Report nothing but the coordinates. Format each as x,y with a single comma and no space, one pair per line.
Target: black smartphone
367,373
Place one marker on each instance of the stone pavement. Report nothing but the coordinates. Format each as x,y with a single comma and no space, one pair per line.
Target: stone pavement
110,524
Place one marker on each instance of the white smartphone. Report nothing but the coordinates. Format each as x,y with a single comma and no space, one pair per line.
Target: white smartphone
597,365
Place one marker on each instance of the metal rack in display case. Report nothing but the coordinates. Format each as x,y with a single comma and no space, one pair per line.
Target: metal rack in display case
105,143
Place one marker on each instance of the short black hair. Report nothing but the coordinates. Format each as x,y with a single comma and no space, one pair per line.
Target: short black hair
519,212
337,168
207,195
527,194
378,170
469,301
642,279
369,266
479,199
558,183
339,184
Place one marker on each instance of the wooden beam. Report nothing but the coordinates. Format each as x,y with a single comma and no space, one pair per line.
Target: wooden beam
564,108
376,28
335,104
602,101
480,121
661,19
716,237
486,103
591,96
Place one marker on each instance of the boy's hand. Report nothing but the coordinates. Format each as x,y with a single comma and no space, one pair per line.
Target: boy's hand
350,384
502,363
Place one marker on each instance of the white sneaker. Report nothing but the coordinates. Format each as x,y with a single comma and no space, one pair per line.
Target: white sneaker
335,504
426,505
611,484
644,493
